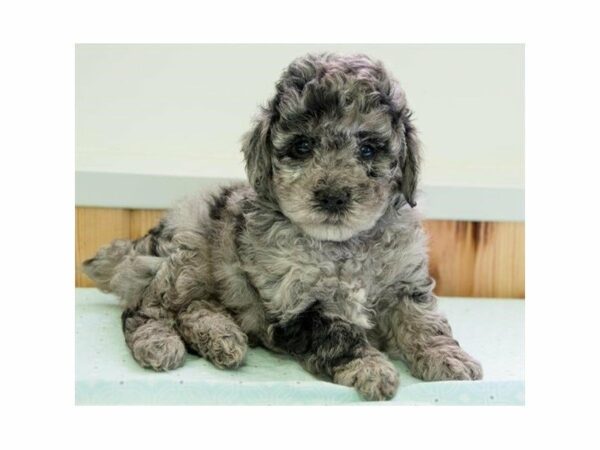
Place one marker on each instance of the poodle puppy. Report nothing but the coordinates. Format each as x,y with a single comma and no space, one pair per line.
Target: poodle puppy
320,256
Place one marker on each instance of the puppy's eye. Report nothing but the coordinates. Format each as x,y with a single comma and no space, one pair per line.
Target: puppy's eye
302,148
367,151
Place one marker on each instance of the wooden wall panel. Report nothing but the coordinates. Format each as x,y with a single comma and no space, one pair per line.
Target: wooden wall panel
143,220
95,227
500,261
452,253
468,259
477,259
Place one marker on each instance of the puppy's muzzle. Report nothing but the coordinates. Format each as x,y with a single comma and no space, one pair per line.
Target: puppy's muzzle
333,200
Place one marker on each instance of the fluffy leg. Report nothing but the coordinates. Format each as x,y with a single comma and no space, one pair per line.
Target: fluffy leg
157,276
154,343
212,333
331,347
371,373
420,334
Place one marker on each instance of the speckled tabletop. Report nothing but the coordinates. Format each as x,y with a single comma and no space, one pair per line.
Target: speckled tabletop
106,374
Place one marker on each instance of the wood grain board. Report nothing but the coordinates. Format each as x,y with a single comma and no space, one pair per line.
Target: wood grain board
95,227
477,259
467,259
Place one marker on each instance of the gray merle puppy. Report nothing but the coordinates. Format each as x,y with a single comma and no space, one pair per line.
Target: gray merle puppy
321,256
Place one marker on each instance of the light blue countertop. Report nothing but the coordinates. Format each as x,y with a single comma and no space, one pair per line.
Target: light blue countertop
105,373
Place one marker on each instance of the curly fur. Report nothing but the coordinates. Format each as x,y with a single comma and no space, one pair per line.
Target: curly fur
321,256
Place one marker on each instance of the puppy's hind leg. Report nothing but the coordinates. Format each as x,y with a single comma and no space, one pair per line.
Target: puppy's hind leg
212,333
154,343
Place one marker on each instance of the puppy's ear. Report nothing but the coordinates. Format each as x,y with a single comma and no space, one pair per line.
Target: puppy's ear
410,163
256,147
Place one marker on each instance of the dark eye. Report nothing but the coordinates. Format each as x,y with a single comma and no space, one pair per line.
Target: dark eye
302,148
367,151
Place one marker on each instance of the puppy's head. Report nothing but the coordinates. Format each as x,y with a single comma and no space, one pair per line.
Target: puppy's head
335,146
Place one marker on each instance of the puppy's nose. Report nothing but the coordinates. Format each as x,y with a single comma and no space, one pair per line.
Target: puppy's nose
333,200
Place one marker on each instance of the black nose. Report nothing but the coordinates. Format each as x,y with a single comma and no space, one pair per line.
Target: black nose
332,200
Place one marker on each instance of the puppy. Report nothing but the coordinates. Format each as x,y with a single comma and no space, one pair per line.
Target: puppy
320,257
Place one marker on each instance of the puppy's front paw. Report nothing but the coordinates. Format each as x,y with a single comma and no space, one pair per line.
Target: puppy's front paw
374,377
446,362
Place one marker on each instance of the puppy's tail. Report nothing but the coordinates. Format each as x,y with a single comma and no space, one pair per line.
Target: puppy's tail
121,269
102,267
